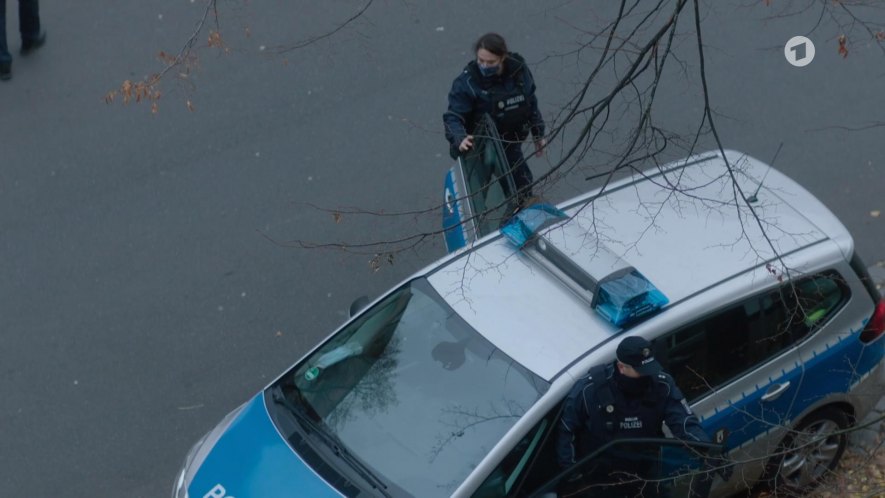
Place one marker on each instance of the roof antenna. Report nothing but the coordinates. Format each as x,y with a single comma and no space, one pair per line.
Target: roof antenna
753,198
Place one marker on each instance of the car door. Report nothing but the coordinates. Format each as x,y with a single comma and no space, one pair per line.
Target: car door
479,189
649,467
740,368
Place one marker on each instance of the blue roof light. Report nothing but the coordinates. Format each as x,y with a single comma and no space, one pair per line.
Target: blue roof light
624,297
526,223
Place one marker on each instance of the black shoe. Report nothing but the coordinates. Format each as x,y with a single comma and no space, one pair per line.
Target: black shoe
31,46
6,71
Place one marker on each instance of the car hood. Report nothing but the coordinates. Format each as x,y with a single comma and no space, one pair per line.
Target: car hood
251,459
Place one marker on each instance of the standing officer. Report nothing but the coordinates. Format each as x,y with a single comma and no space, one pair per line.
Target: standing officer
500,84
628,398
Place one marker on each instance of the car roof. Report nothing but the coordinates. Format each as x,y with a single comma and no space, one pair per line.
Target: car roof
677,225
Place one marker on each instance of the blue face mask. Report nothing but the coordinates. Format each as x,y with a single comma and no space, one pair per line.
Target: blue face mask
489,70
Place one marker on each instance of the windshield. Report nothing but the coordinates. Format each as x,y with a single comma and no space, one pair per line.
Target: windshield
414,392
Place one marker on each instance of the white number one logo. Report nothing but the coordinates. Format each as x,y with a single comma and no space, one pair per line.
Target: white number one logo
799,51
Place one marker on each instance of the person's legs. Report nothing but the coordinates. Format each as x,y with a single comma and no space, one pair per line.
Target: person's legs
29,21
522,175
5,56
29,25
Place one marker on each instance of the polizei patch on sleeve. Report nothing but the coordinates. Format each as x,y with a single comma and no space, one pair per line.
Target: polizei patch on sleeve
687,408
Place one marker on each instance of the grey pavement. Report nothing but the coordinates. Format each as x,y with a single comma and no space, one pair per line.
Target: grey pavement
868,439
145,285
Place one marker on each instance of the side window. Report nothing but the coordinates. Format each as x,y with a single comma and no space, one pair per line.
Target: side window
711,352
819,298
534,451
487,181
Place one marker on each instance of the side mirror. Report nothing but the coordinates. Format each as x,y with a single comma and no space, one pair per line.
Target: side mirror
358,304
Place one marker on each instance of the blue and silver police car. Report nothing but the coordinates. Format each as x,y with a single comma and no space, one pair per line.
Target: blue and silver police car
450,384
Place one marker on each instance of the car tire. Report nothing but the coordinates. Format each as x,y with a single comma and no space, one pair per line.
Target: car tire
809,453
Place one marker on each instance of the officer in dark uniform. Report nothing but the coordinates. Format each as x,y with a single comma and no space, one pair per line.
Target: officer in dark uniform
629,398
500,84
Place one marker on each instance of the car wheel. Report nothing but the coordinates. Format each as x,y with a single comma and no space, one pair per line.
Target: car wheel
810,452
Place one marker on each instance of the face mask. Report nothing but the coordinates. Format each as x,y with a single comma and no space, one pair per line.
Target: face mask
632,387
489,70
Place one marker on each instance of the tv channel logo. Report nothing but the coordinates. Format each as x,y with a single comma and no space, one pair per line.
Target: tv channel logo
799,51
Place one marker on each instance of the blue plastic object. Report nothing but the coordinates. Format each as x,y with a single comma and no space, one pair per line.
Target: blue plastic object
626,297
527,222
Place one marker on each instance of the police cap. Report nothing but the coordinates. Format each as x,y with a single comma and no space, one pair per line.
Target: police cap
636,352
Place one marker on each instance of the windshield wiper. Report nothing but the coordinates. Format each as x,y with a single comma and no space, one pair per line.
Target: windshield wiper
330,440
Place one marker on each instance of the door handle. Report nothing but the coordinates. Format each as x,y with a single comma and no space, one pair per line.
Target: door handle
775,391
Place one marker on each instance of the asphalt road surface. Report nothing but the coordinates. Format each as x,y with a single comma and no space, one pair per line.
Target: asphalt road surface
144,287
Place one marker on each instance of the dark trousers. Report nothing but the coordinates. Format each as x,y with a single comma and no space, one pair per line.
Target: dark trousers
28,25
522,175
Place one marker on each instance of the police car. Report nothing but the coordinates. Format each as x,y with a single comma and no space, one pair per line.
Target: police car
450,384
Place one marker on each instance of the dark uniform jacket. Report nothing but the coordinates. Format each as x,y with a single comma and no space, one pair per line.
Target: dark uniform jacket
589,420
509,98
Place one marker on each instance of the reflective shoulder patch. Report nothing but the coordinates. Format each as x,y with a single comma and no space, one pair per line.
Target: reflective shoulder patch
687,408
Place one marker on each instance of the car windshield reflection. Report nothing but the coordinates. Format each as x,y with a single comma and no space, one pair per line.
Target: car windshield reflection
412,389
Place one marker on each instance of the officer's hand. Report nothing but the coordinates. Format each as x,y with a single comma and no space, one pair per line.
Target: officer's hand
540,144
466,144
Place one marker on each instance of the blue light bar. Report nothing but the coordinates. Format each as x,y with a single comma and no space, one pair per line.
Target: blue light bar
616,290
526,223
626,296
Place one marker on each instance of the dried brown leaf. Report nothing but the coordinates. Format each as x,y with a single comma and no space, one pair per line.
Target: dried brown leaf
126,91
215,39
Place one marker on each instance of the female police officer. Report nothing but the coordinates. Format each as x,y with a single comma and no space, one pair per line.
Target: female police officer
500,84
